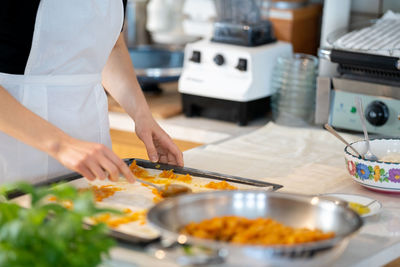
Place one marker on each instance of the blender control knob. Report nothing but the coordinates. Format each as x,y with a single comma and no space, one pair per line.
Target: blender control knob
196,57
242,64
219,60
377,113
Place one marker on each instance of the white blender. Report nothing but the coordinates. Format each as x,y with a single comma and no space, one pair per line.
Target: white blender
228,76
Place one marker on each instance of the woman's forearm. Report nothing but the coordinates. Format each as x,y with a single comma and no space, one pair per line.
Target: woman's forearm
24,125
119,79
90,159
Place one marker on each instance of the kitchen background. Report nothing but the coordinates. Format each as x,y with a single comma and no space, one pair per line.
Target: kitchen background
245,86
164,37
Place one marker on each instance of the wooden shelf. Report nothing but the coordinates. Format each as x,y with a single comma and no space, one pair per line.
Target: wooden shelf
128,145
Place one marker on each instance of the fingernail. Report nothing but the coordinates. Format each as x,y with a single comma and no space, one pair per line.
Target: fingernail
154,159
130,178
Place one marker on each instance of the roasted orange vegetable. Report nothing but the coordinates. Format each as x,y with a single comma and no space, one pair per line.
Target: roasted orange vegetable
157,196
184,178
167,174
114,221
102,192
139,171
261,231
220,186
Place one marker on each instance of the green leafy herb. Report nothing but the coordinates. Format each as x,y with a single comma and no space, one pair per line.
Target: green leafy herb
49,234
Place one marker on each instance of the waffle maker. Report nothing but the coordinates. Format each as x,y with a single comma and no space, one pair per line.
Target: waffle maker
368,67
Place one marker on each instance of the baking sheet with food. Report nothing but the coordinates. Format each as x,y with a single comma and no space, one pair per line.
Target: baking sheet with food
135,199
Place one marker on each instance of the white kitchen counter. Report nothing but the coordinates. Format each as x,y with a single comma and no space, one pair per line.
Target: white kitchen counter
308,161
197,129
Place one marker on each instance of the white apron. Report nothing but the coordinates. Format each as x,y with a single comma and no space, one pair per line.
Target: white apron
62,81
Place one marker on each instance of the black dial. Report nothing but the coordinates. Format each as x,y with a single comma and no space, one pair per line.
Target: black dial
242,65
196,57
219,60
377,113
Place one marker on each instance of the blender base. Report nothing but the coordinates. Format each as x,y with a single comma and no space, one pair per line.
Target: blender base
227,110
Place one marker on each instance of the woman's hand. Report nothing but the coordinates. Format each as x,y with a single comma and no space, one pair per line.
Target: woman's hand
94,161
160,147
119,79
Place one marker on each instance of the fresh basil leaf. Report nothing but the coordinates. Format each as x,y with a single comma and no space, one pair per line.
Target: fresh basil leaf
49,234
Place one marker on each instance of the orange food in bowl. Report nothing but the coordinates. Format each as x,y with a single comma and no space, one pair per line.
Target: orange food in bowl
261,231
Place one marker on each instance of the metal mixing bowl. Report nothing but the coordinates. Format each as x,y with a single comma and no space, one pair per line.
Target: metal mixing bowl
172,214
156,63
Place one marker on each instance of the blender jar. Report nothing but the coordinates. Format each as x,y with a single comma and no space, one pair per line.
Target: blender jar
239,22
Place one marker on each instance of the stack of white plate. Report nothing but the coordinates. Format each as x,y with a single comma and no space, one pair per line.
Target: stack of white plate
294,80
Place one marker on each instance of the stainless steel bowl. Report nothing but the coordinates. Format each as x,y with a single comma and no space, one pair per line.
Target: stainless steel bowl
157,63
172,214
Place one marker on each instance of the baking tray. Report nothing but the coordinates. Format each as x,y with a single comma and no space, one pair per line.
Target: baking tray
129,238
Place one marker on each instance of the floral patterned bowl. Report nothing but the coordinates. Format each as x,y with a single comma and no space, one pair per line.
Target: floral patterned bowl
375,174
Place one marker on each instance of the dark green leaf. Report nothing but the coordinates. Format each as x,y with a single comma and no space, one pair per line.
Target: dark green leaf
370,169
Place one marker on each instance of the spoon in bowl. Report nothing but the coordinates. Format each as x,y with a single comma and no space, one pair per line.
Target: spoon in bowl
169,190
368,155
336,134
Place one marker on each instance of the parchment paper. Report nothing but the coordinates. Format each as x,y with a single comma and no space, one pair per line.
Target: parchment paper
304,160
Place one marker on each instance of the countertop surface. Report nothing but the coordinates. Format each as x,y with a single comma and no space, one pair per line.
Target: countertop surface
304,160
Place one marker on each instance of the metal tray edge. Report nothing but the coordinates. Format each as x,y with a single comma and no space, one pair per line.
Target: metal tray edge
205,174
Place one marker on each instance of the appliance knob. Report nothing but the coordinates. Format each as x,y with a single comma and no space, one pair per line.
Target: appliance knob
196,57
377,113
242,64
219,60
